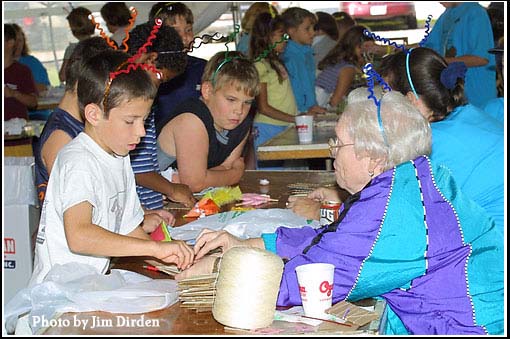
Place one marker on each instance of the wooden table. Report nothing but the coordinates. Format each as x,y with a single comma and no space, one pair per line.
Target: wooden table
23,150
176,320
286,145
44,103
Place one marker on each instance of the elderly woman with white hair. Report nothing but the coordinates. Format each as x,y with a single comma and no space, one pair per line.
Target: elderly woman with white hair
405,234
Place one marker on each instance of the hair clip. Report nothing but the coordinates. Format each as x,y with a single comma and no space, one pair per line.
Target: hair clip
101,32
168,7
371,74
271,11
451,73
132,20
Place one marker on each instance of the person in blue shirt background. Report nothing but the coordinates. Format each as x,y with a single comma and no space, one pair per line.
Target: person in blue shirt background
464,33
465,138
298,58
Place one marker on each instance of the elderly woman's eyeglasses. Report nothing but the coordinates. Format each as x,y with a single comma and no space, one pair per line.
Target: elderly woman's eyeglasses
334,146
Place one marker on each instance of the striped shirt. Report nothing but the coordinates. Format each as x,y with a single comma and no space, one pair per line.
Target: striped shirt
328,78
144,159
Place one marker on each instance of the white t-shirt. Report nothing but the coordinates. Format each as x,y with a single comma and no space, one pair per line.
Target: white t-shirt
83,171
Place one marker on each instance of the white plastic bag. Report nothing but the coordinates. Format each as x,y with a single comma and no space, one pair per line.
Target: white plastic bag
243,224
77,287
19,181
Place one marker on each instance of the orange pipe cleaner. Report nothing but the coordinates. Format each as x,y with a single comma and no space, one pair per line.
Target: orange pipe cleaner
132,20
102,33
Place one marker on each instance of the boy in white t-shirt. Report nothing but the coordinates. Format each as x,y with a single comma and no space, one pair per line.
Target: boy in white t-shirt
91,211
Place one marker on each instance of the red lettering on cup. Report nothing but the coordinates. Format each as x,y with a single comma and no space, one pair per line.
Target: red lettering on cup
325,287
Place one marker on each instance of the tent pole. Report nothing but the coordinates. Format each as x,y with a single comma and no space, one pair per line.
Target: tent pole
236,19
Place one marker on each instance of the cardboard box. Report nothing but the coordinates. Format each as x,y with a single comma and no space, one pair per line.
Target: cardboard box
21,219
20,222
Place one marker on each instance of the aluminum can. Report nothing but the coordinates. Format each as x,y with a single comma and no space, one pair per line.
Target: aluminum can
329,212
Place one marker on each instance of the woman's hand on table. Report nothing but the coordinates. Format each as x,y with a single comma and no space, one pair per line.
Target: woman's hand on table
309,206
305,207
324,194
209,240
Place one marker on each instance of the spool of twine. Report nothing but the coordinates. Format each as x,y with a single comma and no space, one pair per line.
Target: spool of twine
247,288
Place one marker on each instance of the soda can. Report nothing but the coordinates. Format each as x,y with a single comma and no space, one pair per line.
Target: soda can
329,212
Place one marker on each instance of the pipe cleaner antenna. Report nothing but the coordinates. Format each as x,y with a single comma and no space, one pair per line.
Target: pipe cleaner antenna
265,52
376,37
101,32
204,39
132,20
130,67
372,75
230,38
143,49
427,31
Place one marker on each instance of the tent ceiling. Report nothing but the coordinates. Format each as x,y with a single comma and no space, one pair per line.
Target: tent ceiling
205,13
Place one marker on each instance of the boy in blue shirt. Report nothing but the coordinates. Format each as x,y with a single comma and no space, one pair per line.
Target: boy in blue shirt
298,58
463,33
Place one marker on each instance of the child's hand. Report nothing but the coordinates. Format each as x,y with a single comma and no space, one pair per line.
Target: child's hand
182,194
316,109
175,251
152,220
200,267
167,217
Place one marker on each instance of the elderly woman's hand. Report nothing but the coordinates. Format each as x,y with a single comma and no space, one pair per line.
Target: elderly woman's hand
324,194
305,207
209,240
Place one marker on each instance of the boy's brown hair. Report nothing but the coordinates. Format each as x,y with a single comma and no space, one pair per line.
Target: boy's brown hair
168,11
80,23
294,16
116,13
95,84
232,68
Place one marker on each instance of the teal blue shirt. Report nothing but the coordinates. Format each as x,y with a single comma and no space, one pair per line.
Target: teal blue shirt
300,65
471,144
466,30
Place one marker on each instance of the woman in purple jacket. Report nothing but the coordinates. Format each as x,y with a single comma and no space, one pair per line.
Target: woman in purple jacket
406,233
